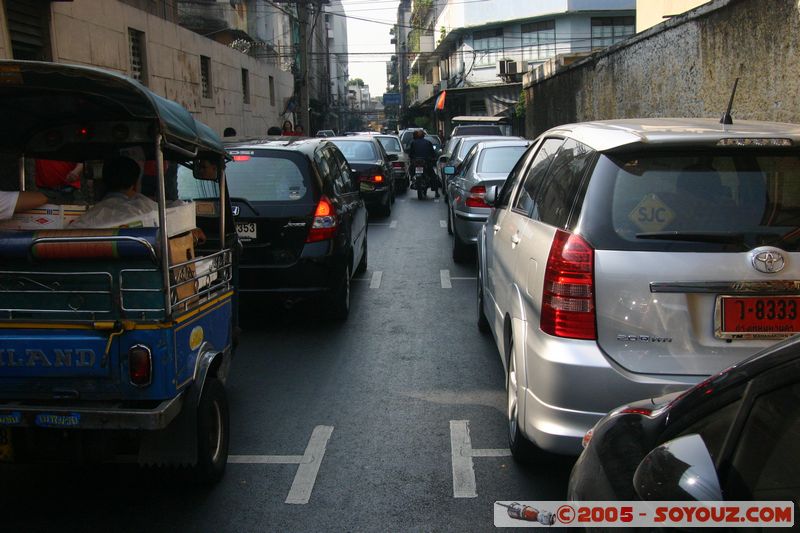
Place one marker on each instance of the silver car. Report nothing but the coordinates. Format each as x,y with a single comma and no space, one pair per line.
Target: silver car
487,164
629,259
392,145
458,148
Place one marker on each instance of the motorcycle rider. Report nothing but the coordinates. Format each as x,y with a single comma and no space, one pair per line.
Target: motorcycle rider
422,148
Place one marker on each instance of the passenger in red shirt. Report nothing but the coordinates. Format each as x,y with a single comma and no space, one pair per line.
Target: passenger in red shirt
52,174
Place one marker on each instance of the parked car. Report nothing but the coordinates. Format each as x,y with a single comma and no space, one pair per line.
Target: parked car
487,164
391,143
458,151
326,133
300,218
436,142
372,166
632,258
731,437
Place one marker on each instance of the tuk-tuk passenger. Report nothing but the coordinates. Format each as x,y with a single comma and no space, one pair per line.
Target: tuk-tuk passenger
16,202
121,201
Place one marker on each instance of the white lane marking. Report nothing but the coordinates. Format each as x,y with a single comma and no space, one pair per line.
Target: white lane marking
492,452
306,475
445,275
265,459
463,471
436,200
443,223
464,485
393,225
377,276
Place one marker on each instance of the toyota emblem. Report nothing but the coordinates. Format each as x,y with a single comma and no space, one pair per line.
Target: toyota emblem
768,261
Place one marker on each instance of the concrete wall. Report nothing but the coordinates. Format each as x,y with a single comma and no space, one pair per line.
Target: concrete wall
684,67
96,33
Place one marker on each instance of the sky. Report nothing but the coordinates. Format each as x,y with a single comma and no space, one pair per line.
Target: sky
370,37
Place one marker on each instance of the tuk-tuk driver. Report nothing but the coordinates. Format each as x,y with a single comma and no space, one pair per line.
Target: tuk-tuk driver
16,202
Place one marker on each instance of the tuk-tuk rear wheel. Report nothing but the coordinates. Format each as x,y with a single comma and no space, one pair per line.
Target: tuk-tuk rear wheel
213,431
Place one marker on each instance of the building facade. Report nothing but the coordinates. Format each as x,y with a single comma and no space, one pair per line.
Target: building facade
222,86
478,51
652,12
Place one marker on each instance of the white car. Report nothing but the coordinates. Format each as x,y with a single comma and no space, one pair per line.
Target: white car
628,259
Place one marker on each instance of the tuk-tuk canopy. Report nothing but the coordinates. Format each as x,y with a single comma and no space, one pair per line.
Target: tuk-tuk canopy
42,103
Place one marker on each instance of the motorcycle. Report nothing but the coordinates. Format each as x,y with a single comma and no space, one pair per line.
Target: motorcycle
421,180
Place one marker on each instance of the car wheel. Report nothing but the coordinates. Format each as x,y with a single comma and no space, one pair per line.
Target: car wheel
362,265
340,300
393,193
521,448
461,251
483,322
449,221
213,432
421,194
387,206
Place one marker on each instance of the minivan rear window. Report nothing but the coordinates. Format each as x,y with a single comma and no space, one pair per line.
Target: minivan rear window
719,200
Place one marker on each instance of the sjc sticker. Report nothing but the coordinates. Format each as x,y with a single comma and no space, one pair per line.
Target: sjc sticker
52,420
651,214
196,338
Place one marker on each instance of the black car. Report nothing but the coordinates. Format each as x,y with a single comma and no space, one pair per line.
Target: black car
299,216
731,437
372,167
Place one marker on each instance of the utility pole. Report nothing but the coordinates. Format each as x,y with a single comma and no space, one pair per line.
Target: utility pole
302,19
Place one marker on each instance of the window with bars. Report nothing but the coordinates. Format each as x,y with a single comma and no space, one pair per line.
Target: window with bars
539,40
245,86
205,76
272,90
138,55
609,30
488,46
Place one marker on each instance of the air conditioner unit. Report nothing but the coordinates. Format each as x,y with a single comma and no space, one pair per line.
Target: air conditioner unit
506,67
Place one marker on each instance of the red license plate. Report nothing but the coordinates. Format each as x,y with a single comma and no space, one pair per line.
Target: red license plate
760,316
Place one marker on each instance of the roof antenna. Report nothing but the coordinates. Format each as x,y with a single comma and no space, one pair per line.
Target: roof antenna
726,117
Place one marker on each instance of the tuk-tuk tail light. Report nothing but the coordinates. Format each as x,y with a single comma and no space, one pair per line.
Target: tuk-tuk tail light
140,365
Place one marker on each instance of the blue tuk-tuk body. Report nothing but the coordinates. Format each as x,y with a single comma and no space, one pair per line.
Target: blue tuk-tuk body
125,330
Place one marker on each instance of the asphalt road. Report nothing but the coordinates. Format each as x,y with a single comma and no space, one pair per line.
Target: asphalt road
382,394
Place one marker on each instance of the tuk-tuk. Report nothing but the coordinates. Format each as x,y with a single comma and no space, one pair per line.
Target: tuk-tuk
115,342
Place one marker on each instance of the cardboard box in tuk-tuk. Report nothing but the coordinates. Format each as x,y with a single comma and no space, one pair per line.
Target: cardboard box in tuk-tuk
48,216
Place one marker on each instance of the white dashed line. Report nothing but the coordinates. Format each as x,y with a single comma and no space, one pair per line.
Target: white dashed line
436,200
442,223
464,485
445,275
306,475
393,225
375,283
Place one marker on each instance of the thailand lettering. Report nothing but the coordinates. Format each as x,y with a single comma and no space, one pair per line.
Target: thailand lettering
33,358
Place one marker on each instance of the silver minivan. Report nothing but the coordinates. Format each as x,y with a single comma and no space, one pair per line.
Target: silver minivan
628,259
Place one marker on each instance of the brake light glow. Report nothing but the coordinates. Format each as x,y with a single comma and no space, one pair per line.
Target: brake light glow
241,158
325,223
140,365
476,196
568,298
637,411
377,179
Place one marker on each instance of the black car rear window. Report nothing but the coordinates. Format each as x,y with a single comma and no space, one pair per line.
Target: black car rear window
720,200
257,176
357,150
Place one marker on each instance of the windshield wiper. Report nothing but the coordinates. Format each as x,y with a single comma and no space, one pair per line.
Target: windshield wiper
694,236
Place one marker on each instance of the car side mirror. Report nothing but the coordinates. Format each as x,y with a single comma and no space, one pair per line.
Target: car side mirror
491,196
449,170
442,159
680,469
392,157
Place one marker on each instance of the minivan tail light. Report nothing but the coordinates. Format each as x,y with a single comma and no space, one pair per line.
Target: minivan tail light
476,196
325,223
398,164
140,365
568,297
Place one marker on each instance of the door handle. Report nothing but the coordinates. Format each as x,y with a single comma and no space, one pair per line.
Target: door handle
496,228
515,239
